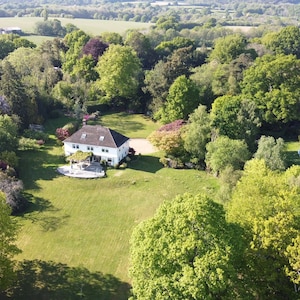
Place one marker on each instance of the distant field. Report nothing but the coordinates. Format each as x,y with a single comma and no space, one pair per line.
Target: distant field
94,27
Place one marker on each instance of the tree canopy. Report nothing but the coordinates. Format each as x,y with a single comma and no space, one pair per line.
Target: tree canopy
184,252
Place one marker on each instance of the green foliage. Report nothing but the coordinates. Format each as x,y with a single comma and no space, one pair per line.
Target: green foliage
6,47
7,247
286,41
273,85
184,252
28,144
182,99
50,28
8,133
10,158
236,118
224,152
119,69
196,133
266,203
272,151
228,48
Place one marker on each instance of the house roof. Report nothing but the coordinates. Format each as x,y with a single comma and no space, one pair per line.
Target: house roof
96,135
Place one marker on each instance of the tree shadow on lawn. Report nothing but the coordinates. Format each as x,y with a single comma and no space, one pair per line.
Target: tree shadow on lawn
38,205
32,167
145,163
39,280
292,158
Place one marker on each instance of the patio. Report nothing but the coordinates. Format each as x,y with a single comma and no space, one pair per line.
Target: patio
80,170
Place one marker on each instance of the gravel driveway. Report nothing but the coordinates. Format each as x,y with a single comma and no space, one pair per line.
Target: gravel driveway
142,146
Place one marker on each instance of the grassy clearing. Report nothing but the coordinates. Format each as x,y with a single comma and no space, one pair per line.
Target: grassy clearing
292,153
132,125
94,27
76,223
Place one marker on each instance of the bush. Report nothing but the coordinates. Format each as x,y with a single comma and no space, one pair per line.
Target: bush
12,188
27,144
34,134
9,158
71,127
62,133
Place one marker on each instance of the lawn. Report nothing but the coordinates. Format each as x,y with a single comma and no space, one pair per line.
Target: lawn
83,227
90,26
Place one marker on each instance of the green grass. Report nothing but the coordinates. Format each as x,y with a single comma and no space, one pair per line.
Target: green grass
84,226
292,153
90,26
132,125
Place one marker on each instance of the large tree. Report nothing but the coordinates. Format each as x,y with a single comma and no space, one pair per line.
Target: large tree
186,251
228,48
7,246
273,84
196,133
236,117
266,204
182,99
119,69
272,151
224,152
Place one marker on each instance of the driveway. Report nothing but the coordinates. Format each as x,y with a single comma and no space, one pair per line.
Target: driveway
142,146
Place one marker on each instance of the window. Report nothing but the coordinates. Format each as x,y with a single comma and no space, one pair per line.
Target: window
88,148
102,150
106,150
92,148
77,146
83,136
101,138
73,146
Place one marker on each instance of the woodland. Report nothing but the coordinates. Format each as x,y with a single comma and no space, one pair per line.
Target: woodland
227,101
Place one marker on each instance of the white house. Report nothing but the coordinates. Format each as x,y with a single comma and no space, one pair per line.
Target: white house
105,144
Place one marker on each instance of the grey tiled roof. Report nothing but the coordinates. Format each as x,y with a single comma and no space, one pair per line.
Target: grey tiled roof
96,135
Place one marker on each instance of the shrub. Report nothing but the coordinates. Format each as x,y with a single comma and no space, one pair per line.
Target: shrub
62,133
34,134
27,144
9,158
71,127
12,188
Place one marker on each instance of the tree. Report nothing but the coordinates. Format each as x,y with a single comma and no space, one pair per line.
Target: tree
236,117
18,95
119,69
6,47
184,252
224,152
266,204
228,48
7,247
168,138
272,151
94,47
286,41
272,83
196,133
182,99
74,41
12,188
8,134
142,46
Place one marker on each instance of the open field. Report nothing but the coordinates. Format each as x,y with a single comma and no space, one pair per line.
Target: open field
84,226
90,26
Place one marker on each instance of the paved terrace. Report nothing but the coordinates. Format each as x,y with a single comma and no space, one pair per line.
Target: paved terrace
93,170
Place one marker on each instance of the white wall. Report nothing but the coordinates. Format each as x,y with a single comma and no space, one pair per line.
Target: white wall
113,155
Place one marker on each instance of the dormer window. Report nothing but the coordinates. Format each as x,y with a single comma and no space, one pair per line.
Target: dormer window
83,136
101,138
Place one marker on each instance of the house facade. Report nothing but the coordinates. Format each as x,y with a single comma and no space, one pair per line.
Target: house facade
105,144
